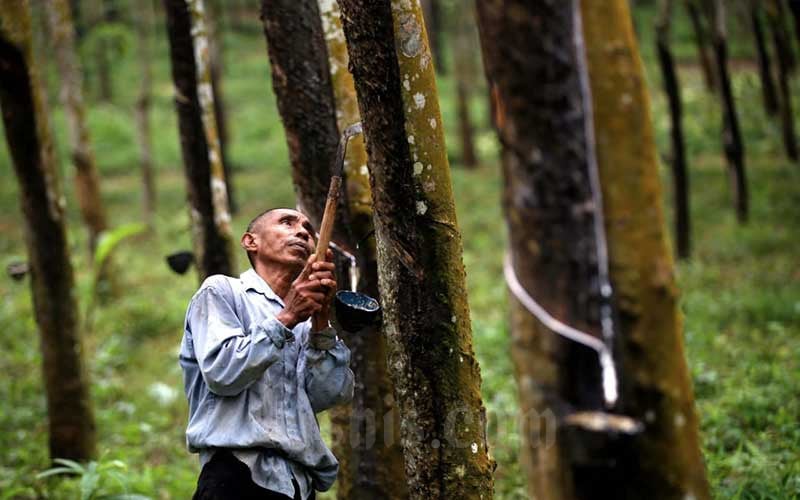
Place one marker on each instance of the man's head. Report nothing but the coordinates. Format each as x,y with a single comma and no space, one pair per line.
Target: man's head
279,237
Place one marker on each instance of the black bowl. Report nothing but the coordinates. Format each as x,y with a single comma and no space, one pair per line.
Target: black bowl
180,261
356,311
17,270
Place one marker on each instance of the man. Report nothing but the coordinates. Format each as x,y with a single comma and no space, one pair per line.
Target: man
254,372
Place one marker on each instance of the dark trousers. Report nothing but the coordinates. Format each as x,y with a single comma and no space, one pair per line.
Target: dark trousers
224,477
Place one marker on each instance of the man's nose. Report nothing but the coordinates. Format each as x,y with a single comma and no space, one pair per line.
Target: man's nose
303,233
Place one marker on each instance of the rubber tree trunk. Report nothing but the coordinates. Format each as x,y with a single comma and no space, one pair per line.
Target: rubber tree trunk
778,9
550,210
367,439
463,57
144,32
216,41
768,91
731,133
656,385
680,171
87,182
71,424
302,84
194,104
420,270
783,52
104,51
702,43
42,47
78,20
547,115
794,8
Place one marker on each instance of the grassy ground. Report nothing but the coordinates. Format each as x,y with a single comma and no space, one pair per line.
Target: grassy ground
741,291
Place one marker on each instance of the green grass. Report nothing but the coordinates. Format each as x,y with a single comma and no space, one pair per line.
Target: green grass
740,292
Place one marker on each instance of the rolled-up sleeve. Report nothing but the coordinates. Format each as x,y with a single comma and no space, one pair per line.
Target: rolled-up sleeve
329,380
230,358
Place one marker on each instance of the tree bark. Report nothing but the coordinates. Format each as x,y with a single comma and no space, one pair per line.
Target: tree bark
764,63
70,419
656,386
794,8
421,274
104,53
701,41
680,172
77,20
531,65
302,85
367,439
87,183
144,30
731,134
465,129
216,42
783,52
194,105
465,70
547,115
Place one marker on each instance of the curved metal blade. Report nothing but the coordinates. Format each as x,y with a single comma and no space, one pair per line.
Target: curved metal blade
351,130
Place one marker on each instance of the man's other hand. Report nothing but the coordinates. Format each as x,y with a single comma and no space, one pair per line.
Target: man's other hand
311,292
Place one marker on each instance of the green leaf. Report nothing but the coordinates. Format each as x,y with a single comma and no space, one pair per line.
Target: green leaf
54,471
109,240
89,481
71,464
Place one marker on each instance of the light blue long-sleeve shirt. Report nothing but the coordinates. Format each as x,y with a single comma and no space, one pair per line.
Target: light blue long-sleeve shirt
254,386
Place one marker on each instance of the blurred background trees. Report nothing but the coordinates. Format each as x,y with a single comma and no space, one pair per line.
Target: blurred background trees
166,116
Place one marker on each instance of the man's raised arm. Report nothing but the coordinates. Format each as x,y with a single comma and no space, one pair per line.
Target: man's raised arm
230,359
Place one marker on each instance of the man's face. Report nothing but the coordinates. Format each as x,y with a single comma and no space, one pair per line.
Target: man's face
282,237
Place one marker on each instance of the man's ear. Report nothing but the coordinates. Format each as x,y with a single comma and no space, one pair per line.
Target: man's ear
249,242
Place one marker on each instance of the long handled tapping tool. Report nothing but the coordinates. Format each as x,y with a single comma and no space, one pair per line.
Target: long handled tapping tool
326,227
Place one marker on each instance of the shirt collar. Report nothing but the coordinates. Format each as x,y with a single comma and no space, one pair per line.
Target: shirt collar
252,281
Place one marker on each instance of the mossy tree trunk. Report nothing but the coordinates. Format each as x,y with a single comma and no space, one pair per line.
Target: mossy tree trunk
367,439
87,182
421,274
783,52
731,132
768,93
656,386
144,32
680,172
70,419
194,104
